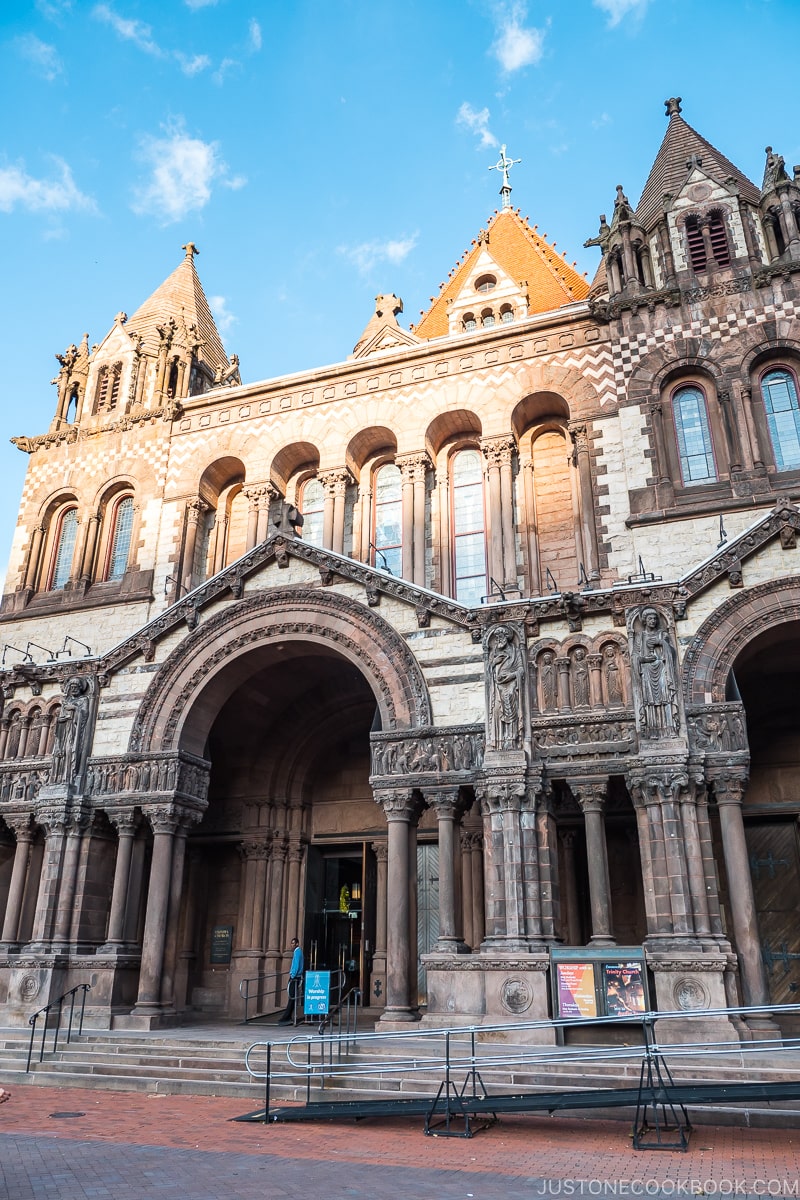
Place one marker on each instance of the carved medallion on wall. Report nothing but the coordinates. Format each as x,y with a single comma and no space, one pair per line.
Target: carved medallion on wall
516,996
29,987
690,994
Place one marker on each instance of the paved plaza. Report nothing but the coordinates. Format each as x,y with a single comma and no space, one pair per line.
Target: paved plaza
129,1146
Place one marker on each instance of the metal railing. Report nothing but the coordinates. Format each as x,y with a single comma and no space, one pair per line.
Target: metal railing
459,1054
270,989
56,1024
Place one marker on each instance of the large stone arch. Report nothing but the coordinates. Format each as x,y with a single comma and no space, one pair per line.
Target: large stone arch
191,679
724,634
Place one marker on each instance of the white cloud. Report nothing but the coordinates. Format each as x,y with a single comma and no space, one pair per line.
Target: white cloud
516,46
367,255
42,55
129,29
183,170
224,318
476,122
19,189
254,31
54,10
194,64
616,10
222,70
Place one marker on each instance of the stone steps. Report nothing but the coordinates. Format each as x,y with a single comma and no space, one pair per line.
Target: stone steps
212,1063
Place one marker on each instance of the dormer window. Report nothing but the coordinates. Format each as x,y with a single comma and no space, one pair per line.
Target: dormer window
486,283
470,323
506,314
487,317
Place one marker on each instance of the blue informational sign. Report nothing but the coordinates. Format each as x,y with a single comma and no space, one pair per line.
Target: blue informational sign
317,993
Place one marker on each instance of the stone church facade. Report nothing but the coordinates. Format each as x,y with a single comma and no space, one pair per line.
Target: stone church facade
470,660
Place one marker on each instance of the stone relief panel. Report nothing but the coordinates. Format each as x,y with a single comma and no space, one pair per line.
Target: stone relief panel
506,687
459,749
654,672
580,673
718,728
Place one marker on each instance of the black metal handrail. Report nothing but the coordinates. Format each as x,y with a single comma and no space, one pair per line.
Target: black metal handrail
45,1012
262,988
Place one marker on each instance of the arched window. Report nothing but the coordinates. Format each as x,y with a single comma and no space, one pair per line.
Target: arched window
487,317
64,549
693,435
779,389
469,538
120,540
312,505
470,323
506,314
387,535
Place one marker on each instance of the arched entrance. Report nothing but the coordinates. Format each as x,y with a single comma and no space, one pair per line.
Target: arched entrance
278,693
767,673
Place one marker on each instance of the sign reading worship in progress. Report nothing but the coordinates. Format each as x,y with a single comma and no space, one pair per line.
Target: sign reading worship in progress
317,993
576,991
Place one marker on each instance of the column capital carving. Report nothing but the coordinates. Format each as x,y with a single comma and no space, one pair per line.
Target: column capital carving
729,788
446,802
20,825
381,851
196,510
252,849
590,793
501,795
413,466
335,481
498,450
399,804
656,787
259,495
125,820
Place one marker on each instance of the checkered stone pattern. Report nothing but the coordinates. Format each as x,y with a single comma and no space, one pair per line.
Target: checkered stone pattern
106,456
628,352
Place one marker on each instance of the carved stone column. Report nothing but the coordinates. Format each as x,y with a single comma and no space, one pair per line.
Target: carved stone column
125,823
168,997
591,795
729,790
335,484
580,442
252,495
34,555
447,807
402,812
406,465
75,828
378,973
698,884
501,803
267,494
164,822
19,873
573,924
280,850
465,842
5,725
195,512
89,549
562,667
24,733
413,471
502,550
549,876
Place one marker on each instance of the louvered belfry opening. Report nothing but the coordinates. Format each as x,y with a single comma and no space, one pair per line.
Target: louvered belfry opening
695,245
719,240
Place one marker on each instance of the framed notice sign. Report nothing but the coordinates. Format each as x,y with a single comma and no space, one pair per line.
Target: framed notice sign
598,981
623,989
221,943
576,991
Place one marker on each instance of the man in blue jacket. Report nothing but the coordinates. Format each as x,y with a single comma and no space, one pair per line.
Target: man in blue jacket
289,1014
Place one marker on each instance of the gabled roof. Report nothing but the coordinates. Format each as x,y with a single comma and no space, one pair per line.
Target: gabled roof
669,171
526,257
181,297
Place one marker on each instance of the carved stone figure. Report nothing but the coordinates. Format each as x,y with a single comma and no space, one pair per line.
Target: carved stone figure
657,673
71,730
549,682
506,679
580,679
615,696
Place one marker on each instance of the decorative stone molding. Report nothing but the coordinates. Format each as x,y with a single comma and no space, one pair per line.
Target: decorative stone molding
506,681
281,613
137,777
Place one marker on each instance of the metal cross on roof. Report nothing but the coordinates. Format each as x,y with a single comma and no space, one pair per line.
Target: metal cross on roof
505,164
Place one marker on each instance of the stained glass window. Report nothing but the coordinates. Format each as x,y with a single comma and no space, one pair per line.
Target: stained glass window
694,436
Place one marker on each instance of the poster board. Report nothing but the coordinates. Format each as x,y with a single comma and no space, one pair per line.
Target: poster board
598,981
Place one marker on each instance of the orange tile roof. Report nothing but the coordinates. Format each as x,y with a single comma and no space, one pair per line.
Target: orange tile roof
526,257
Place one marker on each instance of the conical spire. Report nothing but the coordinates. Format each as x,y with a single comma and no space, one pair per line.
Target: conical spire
680,146
181,297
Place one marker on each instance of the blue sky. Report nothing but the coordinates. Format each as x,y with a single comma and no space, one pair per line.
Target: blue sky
321,152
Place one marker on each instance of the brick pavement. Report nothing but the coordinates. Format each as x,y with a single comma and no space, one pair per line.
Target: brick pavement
132,1147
